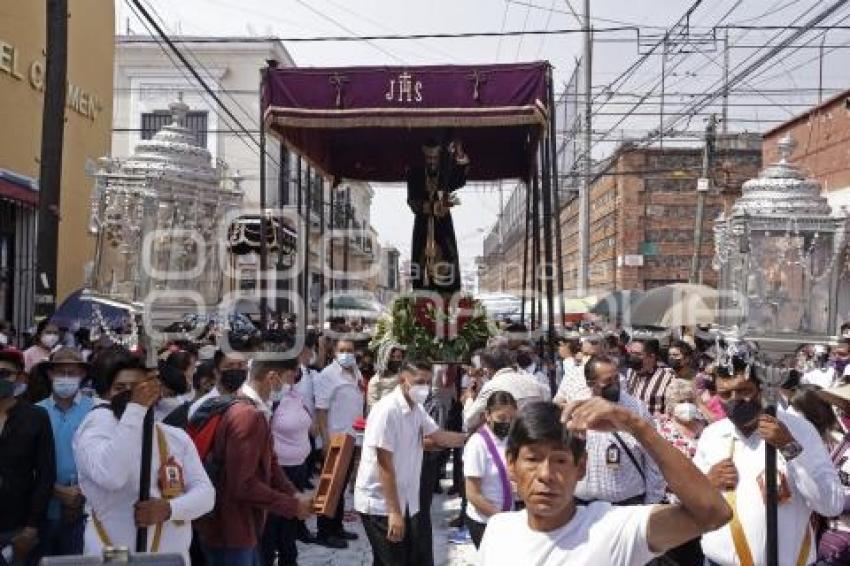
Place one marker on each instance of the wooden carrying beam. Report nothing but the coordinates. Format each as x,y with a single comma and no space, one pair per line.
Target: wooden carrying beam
332,480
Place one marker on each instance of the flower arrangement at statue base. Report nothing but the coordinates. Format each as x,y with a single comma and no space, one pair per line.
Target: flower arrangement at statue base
433,329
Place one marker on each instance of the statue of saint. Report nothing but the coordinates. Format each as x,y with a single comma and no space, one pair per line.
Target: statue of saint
434,264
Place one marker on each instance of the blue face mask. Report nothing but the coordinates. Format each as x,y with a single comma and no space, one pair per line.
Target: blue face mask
66,386
346,359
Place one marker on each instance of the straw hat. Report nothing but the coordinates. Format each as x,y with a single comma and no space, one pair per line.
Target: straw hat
65,357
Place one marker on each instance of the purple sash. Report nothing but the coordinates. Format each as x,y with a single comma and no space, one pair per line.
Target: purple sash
499,460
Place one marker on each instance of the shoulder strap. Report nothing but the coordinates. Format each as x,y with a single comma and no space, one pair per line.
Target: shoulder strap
631,457
499,460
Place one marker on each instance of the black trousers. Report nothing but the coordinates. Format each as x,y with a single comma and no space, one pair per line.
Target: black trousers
332,526
280,533
408,552
476,530
432,467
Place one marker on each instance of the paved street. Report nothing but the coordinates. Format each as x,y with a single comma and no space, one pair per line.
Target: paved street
360,553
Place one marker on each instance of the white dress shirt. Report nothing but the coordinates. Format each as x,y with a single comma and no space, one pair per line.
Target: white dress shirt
247,391
522,386
211,394
396,427
108,452
617,483
338,392
811,476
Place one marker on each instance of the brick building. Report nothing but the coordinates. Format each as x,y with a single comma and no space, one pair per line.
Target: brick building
642,213
822,134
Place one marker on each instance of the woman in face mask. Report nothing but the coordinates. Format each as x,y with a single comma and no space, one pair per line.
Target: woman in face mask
390,358
681,425
488,488
47,337
680,359
834,544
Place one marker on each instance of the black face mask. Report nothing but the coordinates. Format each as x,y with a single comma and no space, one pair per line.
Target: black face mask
742,412
611,393
634,362
393,366
232,379
119,403
676,364
523,360
501,429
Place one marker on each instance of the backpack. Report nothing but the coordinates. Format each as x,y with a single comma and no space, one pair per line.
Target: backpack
202,429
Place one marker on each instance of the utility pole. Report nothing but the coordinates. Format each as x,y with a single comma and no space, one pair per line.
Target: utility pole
52,141
703,186
584,197
725,116
663,87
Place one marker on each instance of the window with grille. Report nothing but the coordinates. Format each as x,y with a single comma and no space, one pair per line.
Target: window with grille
196,122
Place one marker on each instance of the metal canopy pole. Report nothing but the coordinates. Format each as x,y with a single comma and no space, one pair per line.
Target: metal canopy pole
546,156
556,197
264,260
309,221
525,251
537,284
299,205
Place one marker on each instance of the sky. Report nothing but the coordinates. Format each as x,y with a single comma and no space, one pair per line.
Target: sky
772,93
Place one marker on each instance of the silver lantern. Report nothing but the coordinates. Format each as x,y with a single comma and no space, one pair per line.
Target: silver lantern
782,255
158,218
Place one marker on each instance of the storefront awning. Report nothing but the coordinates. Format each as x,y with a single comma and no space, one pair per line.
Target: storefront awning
369,123
18,188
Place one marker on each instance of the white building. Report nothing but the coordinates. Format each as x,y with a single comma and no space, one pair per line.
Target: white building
146,81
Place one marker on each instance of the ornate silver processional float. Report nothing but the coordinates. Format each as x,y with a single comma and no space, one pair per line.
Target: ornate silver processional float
159,218
784,280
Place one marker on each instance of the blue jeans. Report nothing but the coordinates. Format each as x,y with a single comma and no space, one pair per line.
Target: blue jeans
218,556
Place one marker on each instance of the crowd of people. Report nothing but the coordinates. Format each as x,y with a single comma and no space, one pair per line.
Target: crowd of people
620,448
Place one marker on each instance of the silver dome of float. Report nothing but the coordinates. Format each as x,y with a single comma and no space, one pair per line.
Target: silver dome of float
159,218
783,259
782,189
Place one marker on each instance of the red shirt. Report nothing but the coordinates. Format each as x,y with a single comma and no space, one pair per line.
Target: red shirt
250,483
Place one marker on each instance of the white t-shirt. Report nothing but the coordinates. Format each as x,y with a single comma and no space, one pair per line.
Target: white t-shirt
478,463
598,534
824,378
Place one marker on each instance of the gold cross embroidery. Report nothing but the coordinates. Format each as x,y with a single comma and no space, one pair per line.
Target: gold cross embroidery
337,81
478,80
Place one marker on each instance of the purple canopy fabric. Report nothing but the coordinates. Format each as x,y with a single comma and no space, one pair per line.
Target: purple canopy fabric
369,123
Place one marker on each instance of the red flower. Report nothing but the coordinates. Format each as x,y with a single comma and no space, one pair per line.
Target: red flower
423,313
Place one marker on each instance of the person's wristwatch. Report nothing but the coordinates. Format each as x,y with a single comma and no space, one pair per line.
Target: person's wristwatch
791,450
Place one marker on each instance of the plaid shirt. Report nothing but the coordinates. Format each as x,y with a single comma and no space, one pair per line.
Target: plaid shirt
618,483
650,389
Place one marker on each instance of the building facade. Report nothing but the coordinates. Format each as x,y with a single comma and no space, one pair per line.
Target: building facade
88,123
643,211
822,135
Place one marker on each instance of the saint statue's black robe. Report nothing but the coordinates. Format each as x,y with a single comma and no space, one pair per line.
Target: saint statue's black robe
445,276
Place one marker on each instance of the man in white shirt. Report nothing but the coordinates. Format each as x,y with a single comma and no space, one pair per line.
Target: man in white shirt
527,361
823,374
229,368
619,470
108,450
497,363
547,459
731,453
339,402
387,490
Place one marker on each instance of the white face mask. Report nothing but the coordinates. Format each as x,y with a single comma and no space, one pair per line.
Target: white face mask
346,359
50,339
686,412
4,340
419,393
66,386
312,360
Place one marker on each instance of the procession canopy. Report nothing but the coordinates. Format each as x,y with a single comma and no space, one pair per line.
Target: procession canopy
369,123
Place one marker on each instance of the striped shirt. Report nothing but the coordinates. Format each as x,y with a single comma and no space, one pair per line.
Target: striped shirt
650,389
